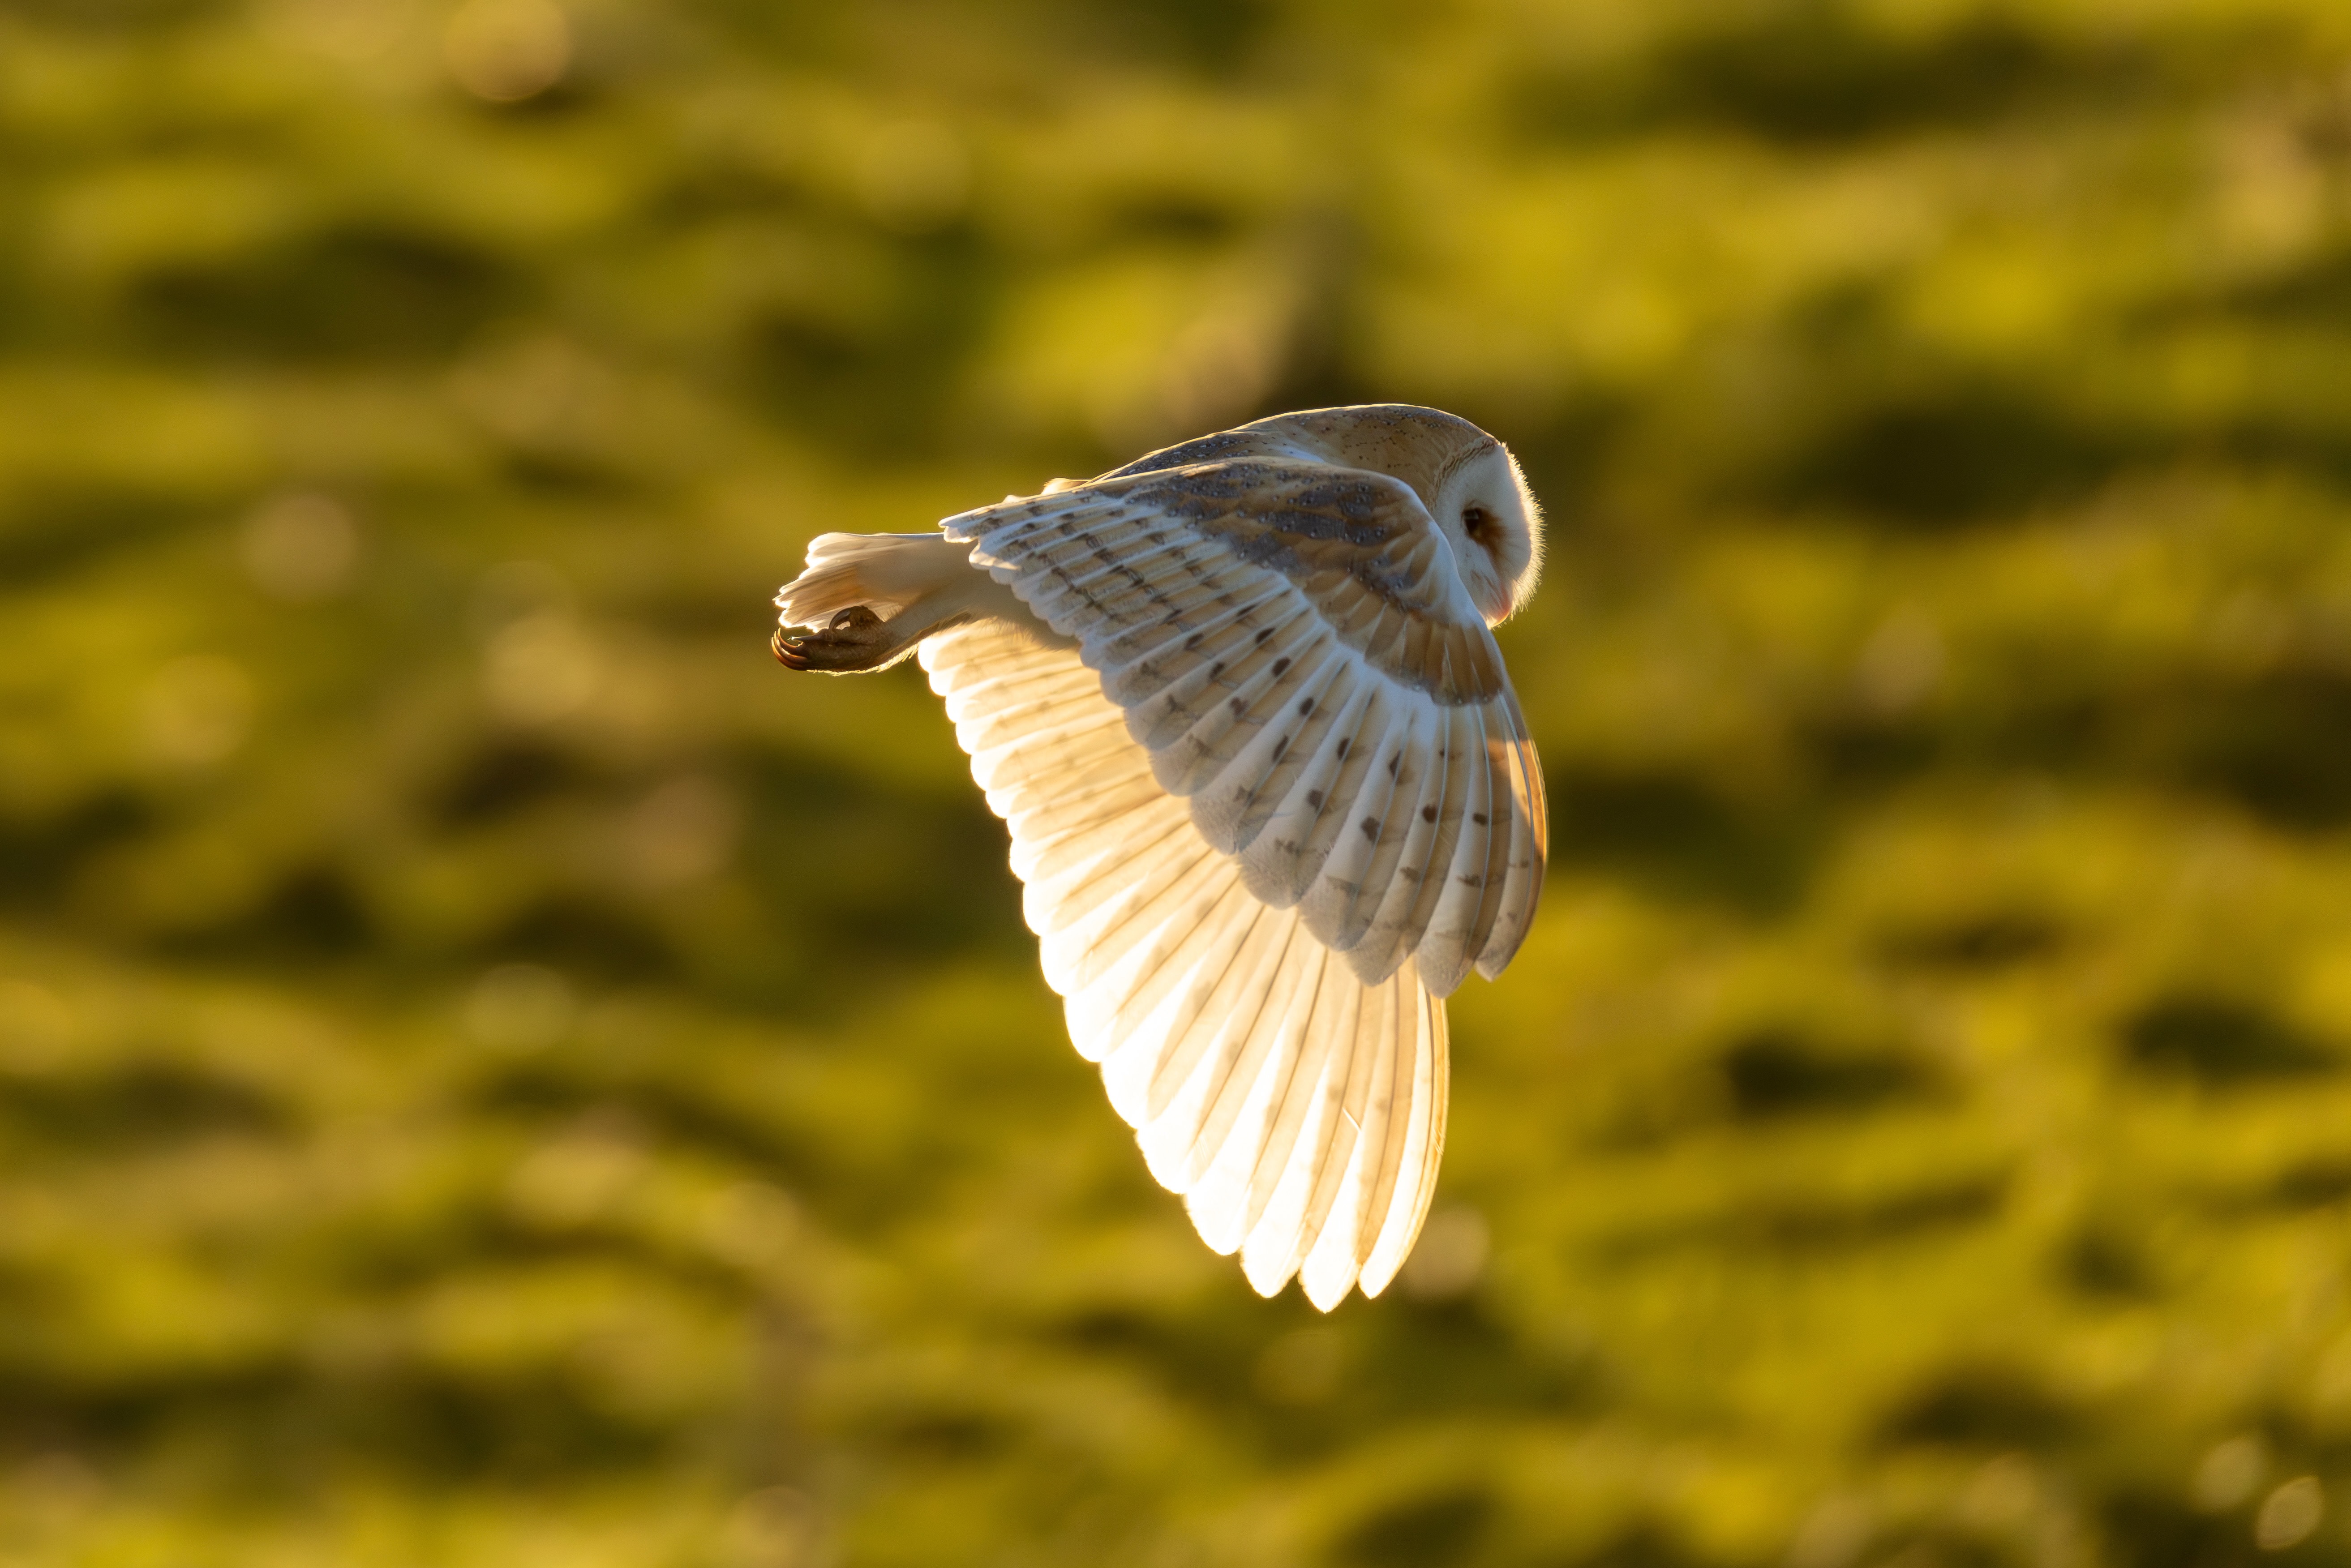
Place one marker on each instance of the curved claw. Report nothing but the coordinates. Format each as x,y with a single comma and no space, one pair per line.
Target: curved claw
857,639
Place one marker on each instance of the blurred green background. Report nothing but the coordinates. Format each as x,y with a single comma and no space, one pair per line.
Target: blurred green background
492,1071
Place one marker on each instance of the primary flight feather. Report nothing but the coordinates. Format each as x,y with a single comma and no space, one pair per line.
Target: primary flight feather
1270,794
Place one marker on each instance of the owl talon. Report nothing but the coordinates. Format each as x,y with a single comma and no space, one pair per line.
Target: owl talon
856,639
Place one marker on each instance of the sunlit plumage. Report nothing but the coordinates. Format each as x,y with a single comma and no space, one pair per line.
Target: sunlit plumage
1270,791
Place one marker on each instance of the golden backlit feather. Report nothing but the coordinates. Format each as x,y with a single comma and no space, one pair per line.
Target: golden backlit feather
1270,794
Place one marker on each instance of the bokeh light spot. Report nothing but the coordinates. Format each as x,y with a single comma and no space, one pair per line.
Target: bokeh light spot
355,31
197,710
504,51
750,1224
301,547
578,1175
2227,1475
683,833
773,1528
2290,1515
541,668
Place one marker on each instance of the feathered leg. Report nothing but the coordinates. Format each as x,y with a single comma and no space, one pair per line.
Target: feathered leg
852,642
871,597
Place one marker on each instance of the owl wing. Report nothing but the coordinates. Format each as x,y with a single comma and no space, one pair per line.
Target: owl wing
1292,646
1270,807
1299,1109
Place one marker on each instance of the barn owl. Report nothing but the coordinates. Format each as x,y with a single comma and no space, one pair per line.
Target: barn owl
1270,794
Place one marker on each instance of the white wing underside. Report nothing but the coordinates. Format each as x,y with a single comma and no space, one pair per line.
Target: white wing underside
1298,1108
1339,722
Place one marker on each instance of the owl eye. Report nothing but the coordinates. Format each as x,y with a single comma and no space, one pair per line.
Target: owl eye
1484,528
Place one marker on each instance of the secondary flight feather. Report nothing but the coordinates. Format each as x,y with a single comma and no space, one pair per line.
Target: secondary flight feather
1270,793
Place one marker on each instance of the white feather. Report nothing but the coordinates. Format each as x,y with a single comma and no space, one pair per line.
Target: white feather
1244,1052
1270,799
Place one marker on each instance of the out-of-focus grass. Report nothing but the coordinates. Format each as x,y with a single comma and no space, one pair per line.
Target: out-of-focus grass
492,1073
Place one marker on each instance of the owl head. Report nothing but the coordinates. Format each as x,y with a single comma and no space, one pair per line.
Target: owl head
1494,524
1467,480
